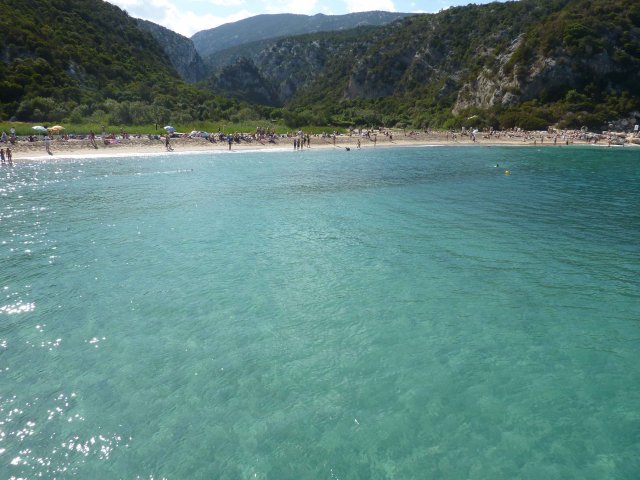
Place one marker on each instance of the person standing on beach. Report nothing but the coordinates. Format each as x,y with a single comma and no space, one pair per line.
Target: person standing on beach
167,143
9,157
92,139
47,144
2,155
230,140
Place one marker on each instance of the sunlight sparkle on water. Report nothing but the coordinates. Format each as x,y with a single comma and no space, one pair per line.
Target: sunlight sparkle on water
401,313
18,308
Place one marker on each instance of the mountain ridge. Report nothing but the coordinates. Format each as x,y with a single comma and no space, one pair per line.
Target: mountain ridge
269,26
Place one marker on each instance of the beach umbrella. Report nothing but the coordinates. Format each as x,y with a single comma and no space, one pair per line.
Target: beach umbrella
56,128
40,129
169,128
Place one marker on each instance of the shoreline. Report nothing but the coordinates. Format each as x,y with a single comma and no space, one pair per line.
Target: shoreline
72,149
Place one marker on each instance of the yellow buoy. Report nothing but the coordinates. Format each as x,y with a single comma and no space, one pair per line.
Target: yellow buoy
507,172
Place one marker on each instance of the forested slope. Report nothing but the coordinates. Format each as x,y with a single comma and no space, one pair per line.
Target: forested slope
528,63
87,59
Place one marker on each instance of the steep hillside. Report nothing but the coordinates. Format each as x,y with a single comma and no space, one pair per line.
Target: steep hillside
529,63
180,51
264,27
285,66
243,80
88,60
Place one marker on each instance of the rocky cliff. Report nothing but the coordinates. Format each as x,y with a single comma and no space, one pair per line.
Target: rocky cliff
180,51
607,61
292,64
243,80
489,57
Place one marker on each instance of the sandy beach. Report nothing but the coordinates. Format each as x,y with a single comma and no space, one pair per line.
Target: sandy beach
24,150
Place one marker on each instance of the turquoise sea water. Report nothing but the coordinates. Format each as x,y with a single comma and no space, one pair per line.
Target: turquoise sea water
380,314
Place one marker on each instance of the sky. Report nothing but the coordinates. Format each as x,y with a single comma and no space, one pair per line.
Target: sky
190,16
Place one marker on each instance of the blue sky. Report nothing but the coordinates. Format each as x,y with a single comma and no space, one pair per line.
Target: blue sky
190,16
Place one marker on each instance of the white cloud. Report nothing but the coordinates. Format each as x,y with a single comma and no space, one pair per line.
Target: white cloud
370,5
126,3
188,23
226,3
306,7
180,20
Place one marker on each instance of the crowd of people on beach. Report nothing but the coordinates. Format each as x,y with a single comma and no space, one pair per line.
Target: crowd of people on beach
11,138
303,140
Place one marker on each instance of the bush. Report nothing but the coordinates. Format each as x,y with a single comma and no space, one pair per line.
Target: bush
524,120
243,115
583,119
292,119
79,113
38,109
453,123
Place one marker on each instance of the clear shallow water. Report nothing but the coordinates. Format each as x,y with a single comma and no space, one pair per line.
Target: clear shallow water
408,313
